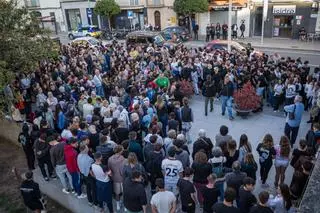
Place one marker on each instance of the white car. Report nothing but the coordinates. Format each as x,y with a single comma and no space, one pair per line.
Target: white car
90,41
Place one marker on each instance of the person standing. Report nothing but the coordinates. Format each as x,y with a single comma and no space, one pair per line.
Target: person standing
203,144
242,29
115,164
247,199
71,154
187,192
209,93
84,162
293,119
224,31
103,182
212,31
262,206
195,31
43,155
24,139
172,170
281,160
282,201
235,179
163,201
186,118
208,32
218,30
31,194
59,163
227,97
227,205
210,194
266,153
235,31
134,195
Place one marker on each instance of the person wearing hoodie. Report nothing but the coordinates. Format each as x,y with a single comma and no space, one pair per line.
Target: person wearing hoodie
24,139
59,163
43,155
115,164
70,154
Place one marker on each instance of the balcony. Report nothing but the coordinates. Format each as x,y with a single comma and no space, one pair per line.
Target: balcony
32,3
156,3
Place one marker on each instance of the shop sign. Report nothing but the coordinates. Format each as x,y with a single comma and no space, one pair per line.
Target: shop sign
284,9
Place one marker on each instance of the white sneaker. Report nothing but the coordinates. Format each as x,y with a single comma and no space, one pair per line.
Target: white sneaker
82,196
125,209
65,191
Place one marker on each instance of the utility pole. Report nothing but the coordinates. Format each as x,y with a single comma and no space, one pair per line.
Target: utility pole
229,25
264,18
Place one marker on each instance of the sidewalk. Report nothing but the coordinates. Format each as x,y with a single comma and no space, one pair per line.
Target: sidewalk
278,43
283,43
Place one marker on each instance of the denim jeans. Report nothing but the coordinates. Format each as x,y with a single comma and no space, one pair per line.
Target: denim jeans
64,176
220,186
227,104
99,91
76,182
291,133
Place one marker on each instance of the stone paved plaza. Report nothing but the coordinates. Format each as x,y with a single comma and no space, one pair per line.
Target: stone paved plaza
255,126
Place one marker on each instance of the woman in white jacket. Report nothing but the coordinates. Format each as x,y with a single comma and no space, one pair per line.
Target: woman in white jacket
281,203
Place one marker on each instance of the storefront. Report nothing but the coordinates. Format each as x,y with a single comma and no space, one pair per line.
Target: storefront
285,20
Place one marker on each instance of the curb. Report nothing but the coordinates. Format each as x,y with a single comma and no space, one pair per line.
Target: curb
283,48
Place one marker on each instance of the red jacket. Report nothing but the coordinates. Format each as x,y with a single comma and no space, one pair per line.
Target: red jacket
70,155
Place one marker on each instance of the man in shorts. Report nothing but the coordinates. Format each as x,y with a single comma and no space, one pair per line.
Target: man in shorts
172,170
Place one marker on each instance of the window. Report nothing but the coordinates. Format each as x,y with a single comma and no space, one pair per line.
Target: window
134,2
156,2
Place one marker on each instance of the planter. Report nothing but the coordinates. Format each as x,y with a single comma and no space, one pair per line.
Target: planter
242,113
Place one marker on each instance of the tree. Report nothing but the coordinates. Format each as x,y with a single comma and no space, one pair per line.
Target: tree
22,43
189,7
107,8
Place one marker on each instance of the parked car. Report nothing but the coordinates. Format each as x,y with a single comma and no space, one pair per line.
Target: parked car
182,32
223,45
90,41
83,31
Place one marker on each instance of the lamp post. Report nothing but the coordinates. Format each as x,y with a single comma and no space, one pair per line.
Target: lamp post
229,25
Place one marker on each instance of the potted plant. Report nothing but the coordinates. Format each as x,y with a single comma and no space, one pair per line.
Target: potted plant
246,100
186,88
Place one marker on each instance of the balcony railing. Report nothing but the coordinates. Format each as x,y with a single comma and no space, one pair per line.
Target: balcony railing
155,3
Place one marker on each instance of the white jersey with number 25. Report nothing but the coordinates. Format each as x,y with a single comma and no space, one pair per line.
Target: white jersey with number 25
172,169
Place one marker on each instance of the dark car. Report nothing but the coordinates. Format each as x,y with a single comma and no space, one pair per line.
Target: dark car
181,32
144,38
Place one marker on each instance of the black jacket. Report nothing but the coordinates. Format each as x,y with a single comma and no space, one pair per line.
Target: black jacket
44,147
31,194
203,144
227,89
209,89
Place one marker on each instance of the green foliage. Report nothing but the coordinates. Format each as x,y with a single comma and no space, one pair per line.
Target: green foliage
187,7
107,8
22,42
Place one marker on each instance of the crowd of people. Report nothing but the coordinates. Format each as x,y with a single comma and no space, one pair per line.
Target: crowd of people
115,121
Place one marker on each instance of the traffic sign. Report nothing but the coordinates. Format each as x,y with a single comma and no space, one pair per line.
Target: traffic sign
89,12
130,14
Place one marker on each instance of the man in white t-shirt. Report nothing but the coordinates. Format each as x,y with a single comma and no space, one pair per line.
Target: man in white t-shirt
163,201
172,170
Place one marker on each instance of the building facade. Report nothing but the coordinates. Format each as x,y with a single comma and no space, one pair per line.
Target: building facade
49,12
284,18
160,13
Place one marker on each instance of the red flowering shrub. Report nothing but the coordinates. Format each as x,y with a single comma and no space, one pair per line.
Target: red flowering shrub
246,98
186,88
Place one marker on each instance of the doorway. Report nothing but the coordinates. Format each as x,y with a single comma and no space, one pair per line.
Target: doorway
157,19
258,21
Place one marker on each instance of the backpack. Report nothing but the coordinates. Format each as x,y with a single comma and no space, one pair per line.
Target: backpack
217,168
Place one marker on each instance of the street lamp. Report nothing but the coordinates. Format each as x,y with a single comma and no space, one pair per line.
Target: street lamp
229,25
264,18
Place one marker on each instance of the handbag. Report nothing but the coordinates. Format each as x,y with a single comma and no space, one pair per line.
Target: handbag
291,114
